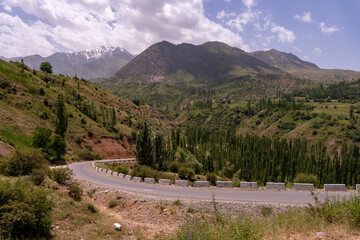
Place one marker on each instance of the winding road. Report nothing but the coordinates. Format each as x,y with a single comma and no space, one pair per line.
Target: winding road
84,171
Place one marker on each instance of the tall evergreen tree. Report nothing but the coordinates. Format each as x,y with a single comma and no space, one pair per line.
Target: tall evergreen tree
144,151
61,117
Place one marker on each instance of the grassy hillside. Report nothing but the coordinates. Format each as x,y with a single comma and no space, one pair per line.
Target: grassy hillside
27,100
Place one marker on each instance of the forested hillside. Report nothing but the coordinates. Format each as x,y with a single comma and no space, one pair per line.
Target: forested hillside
313,131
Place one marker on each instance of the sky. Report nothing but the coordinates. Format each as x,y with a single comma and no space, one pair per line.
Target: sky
325,32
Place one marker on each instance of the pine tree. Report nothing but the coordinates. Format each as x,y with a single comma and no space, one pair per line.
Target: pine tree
61,117
144,151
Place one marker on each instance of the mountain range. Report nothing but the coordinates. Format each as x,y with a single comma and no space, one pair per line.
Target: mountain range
93,63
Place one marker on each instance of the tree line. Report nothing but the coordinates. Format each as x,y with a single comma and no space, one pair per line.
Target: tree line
248,158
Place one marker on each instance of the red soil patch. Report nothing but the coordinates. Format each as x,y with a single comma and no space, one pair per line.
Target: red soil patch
110,148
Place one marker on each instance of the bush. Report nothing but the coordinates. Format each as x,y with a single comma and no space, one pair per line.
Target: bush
61,175
41,136
286,126
177,203
75,191
22,162
306,178
38,176
4,83
174,166
112,204
91,208
24,211
186,173
266,211
88,155
91,193
122,169
46,78
144,171
211,177
44,116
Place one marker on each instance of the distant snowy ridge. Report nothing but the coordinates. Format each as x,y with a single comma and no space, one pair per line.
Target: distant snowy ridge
95,53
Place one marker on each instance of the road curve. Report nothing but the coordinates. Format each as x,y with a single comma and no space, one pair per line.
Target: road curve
83,171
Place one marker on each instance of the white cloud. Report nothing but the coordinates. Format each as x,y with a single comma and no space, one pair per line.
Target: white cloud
19,39
317,52
133,25
249,3
327,30
7,8
305,17
221,15
243,19
283,35
227,1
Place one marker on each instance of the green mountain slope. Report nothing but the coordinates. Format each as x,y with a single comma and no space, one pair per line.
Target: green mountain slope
168,76
27,100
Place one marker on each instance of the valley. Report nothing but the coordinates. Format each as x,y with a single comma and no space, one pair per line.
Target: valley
187,112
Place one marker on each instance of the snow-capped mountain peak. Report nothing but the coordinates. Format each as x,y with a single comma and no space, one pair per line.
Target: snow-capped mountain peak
93,54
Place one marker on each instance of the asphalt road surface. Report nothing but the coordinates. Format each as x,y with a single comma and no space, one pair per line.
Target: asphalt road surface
83,171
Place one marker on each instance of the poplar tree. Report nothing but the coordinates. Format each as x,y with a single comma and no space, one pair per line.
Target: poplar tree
61,117
144,151
159,151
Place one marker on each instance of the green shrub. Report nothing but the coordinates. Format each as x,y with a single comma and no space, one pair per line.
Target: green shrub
41,137
286,125
91,208
177,203
44,115
46,78
91,193
22,162
174,166
266,211
122,169
61,175
112,204
24,211
75,191
306,178
88,155
186,173
38,176
211,177
190,209
144,171
4,82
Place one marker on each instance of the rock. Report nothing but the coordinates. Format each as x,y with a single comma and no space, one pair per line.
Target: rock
55,186
320,235
69,182
117,226
26,177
